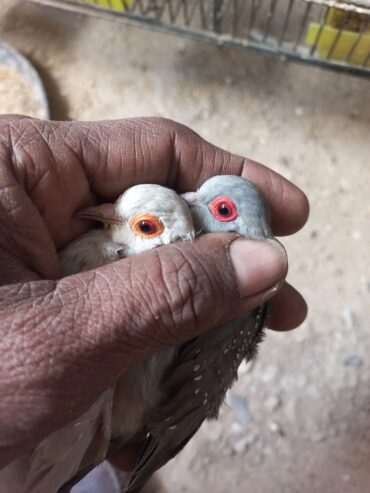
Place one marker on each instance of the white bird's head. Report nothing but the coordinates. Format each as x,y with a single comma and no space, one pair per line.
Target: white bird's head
144,217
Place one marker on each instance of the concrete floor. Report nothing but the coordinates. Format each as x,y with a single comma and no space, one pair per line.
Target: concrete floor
303,415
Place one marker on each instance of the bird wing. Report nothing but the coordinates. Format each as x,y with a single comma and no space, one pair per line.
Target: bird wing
205,369
62,453
89,251
78,446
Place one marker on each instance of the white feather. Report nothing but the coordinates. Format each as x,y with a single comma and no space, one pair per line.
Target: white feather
59,456
90,251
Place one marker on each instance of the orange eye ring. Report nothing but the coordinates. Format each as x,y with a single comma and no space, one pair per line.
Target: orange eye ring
146,226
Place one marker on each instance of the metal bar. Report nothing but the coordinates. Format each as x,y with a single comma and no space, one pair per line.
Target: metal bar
252,17
356,41
186,12
203,19
286,23
349,6
235,17
124,4
137,4
366,61
127,6
319,32
152,7
173,11
337,37
192,10
190,7
229,13
160,9
210,37
242,10
215,15
270,15
302,27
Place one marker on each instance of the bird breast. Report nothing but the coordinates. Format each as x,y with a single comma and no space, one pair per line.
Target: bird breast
137,393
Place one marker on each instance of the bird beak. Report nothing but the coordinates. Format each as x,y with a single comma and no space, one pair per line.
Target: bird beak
190,198
104,213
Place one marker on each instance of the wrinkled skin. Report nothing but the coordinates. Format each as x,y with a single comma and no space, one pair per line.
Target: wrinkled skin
63,341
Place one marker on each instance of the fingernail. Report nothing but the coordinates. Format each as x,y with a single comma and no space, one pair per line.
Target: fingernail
258,265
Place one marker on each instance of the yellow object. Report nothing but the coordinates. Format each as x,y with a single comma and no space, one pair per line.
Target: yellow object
351,21
344,44
119,5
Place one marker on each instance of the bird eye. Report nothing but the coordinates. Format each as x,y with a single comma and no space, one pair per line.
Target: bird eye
223,209
146,226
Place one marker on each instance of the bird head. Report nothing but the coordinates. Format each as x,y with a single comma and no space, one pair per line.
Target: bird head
229,203
144,217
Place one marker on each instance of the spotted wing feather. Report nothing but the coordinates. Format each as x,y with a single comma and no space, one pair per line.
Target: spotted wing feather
205,369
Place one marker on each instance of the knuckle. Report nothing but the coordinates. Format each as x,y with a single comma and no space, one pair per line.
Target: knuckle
181,290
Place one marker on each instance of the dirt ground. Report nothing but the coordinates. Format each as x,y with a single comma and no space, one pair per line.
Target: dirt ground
298,420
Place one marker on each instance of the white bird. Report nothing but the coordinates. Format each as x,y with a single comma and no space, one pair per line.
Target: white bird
144,217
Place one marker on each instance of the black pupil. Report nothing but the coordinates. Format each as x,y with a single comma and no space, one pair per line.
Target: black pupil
146,227
224,210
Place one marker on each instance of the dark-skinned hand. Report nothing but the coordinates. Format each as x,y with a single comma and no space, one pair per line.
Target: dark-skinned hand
64,341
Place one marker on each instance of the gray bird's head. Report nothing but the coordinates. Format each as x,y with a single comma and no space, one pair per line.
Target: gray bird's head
144,217
229,203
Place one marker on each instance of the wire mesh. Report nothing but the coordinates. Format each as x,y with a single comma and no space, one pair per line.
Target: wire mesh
329,33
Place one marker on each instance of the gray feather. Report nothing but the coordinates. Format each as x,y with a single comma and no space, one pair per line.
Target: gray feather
253,215
206,367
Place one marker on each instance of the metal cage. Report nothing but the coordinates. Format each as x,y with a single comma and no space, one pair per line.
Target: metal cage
329,33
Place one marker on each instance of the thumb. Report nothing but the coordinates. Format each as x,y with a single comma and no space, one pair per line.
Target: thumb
171,294
83,331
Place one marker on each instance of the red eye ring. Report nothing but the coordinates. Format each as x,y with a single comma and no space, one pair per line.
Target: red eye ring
223,209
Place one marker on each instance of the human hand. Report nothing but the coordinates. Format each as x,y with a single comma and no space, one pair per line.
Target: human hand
64,341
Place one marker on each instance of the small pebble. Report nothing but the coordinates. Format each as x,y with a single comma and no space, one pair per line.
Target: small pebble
298,111
274,427
349,317
272,403
353,361
285,161
245,367
346,478
240,446
269,374
258,444
318,437
228,80
236,428
240,406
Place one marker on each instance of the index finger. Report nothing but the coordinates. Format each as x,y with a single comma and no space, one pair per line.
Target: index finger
165,152
115,155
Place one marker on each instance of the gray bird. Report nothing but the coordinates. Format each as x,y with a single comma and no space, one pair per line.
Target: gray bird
206,367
